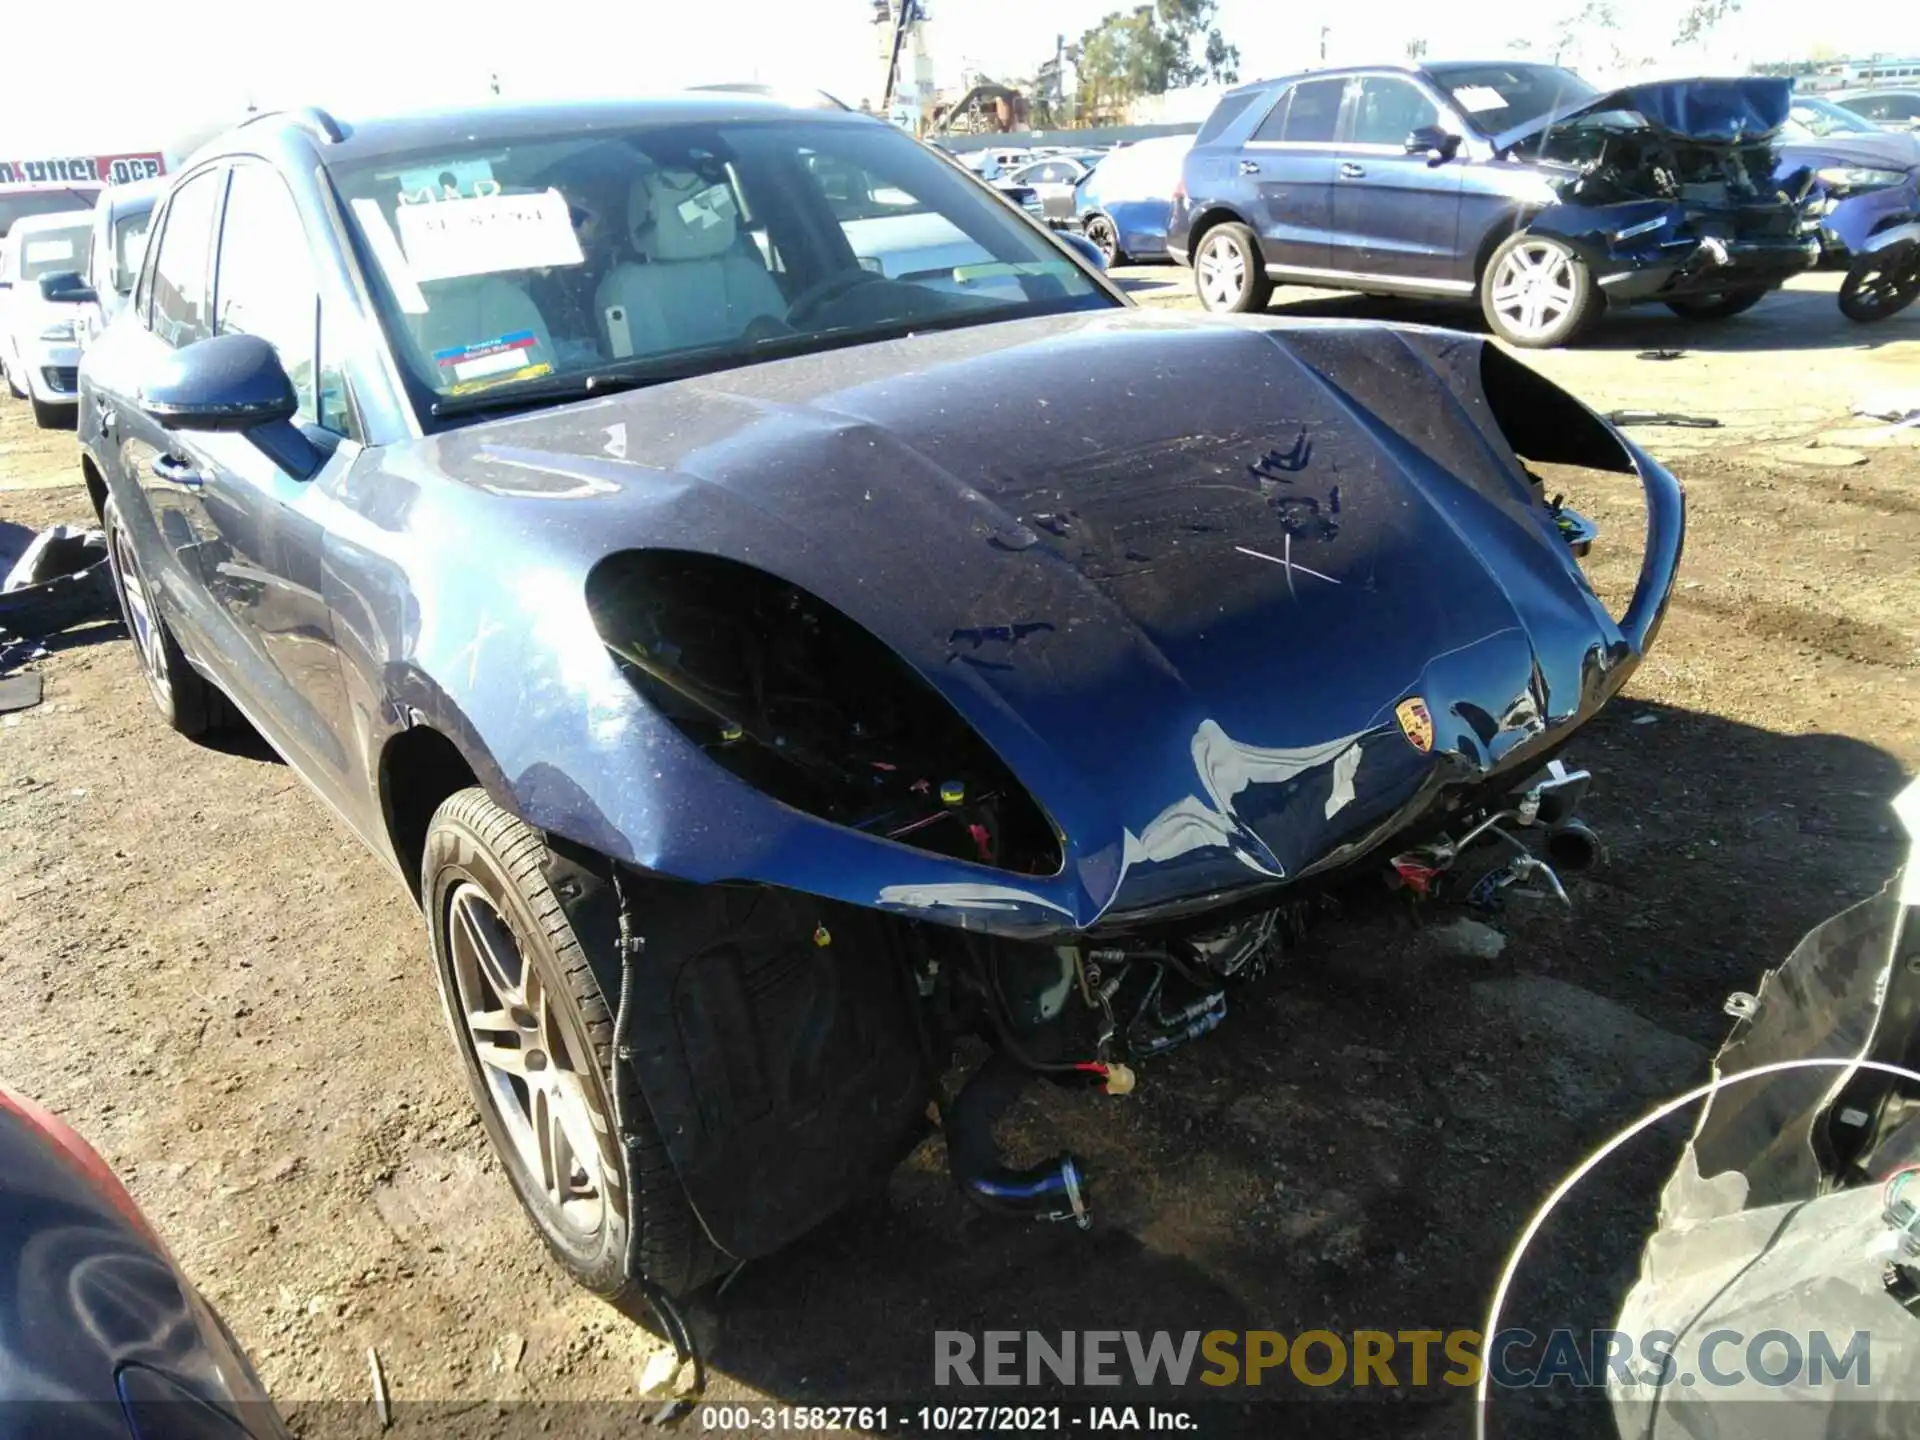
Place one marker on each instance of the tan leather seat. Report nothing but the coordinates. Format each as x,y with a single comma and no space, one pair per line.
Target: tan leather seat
472,310
695,284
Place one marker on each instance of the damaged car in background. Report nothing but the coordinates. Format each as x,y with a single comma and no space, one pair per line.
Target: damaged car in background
770,676
1521,185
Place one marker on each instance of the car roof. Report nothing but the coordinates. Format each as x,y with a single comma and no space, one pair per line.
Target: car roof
51,220
1385,67
134,195
344,138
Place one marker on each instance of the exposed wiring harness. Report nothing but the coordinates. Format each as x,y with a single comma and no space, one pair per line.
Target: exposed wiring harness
1482,1389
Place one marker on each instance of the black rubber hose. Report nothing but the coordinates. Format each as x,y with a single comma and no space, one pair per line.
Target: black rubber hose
1053,1190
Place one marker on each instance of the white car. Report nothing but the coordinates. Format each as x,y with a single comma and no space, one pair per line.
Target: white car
37,347
1894,109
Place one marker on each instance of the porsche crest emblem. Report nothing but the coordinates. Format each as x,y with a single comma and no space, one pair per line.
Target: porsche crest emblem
1416,723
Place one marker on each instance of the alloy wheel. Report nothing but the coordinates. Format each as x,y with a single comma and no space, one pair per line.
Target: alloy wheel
1221,271
1534,288
532,1059
1100,232
149,639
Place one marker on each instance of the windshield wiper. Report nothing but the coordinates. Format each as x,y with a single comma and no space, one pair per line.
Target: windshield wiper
560,389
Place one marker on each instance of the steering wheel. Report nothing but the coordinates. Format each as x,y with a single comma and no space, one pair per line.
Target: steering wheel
820,292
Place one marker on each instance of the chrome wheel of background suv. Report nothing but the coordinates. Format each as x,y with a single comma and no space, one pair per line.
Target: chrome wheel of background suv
1228,272
1538,292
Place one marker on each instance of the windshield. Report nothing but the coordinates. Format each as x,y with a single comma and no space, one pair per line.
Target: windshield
47,252
1812,119
555,266
1498,98
19,204
129,246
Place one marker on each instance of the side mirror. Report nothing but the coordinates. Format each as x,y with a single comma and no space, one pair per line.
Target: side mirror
231,383
1084,248
228,382
66,287
1433,140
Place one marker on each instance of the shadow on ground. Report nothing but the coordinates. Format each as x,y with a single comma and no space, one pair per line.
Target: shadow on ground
1788,320
1358,1145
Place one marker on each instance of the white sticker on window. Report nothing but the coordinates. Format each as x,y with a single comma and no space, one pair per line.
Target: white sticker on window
1475,98
42,252
487,234
453,180
712,206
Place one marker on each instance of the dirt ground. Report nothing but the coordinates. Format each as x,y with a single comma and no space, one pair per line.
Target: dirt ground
206,976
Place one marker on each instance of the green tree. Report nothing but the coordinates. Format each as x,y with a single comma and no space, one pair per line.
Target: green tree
1151,49
1700,16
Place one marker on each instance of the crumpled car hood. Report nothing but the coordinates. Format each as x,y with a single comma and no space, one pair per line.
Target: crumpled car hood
1732,111
1178,572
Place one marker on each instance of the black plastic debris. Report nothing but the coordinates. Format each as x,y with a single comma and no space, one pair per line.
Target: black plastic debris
19,692
1663,417
58,580
1661,355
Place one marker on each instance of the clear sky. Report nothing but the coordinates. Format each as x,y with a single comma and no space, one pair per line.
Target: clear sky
116,74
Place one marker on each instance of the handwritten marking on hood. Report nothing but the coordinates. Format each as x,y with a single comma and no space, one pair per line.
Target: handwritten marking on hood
1292,566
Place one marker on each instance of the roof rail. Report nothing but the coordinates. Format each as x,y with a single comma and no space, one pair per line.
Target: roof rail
311,118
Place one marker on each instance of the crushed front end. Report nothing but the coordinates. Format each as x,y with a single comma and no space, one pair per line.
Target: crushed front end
1671,191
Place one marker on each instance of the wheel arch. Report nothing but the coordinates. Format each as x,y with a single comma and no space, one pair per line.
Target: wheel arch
1218,215
96,485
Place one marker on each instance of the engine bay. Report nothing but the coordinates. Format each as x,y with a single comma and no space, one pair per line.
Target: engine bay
1616,158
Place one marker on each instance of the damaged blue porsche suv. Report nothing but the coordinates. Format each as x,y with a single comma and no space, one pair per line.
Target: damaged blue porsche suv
783,615
1517,184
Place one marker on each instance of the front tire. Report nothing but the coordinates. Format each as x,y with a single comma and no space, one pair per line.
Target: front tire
184,696
1100,230
1721,306
535,1034
1537,292
1228,274
1880,286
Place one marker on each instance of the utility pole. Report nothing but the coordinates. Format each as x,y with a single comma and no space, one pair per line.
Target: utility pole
1325,30
903,19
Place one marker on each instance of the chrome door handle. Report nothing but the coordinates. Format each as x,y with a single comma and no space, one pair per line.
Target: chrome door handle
1351,171
1249,167
176,471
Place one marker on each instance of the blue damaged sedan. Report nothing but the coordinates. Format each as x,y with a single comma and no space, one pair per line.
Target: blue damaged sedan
772,651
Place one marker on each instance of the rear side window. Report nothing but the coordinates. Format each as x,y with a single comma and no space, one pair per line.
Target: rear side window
1274,127
1313,117
1224,114
183,268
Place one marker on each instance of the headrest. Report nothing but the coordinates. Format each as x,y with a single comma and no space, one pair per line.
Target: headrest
678,215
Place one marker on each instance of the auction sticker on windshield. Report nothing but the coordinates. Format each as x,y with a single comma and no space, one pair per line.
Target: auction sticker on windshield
486,235
486,357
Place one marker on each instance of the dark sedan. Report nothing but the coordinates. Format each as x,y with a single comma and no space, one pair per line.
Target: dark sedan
772,645
1863,175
